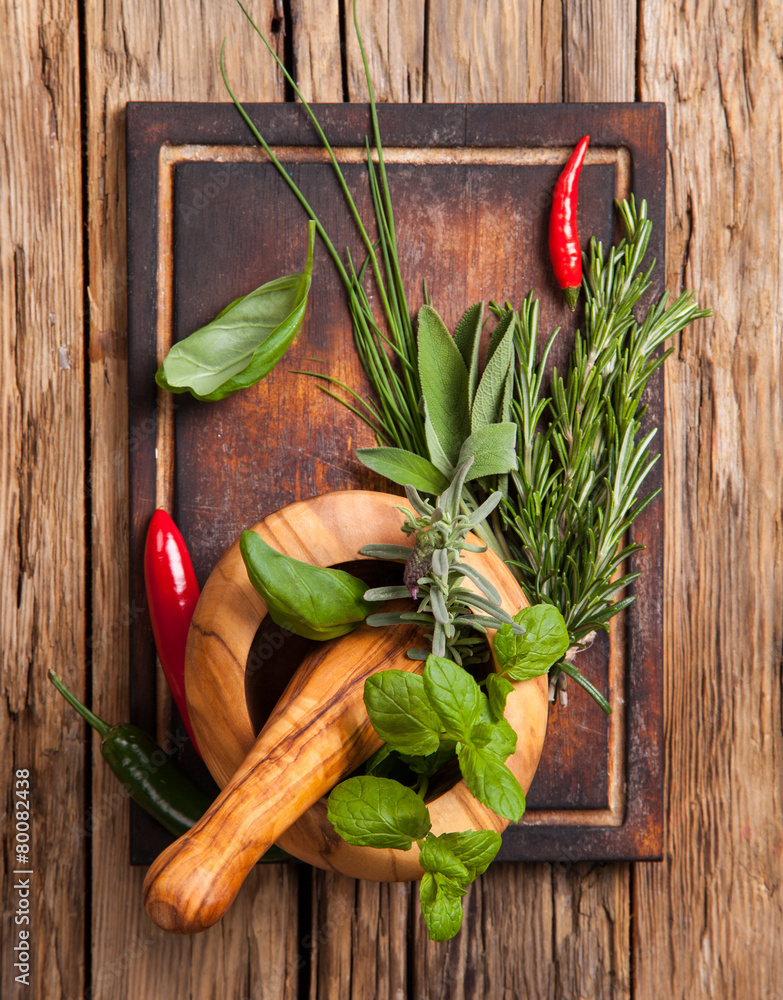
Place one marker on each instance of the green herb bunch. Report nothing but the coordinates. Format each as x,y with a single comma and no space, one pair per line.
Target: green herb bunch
455,618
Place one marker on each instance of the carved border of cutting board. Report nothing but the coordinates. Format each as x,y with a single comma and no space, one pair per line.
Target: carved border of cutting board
162,137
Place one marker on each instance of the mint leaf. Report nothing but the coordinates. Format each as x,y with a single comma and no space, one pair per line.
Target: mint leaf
433,762
476,849
401,713
377,812
444,383
404,467
498,690
440,905
496,737
454,695
545,641
436,857
491,782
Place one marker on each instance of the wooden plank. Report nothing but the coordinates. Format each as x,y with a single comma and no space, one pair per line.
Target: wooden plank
599,50
130,957
709,921
42,503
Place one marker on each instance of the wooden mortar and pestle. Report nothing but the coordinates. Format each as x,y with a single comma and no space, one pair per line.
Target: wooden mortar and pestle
273,784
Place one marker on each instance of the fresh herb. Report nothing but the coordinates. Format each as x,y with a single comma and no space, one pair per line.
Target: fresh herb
245,340
313,601
579,484
454,617
544,642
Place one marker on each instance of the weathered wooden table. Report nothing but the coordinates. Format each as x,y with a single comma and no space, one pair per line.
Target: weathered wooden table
707,921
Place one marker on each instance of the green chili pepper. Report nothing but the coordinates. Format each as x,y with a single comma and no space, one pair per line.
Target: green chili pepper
148,773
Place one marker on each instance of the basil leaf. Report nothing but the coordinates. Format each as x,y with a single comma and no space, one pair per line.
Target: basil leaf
436,857
404,467
493,449
545,641
245,340
444,383
488,404
454,695
312,601
440,906
467,337
491,782
400,712
377,812
498,690
476,849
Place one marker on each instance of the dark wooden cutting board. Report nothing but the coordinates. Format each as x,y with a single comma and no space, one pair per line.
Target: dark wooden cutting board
209,219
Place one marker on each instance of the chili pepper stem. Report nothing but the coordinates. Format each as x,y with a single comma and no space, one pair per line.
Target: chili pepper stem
571,295
97,723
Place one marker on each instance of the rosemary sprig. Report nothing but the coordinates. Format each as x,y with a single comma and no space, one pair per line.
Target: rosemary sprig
578,488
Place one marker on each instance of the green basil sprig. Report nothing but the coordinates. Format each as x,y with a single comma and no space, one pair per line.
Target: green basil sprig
245,340
312,601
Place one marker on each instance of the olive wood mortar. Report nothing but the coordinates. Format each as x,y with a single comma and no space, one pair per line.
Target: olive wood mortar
273,784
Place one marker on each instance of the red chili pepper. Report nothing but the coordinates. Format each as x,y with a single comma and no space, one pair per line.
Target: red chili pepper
172,592
564,248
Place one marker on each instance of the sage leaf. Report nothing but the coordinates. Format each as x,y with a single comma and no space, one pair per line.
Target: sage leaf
377,812
444,383
467,337
544,642
312,601
400,712
476,849
438,456
383,551
454,695
245,340
441,906
493,449
404,468
492,782
488,404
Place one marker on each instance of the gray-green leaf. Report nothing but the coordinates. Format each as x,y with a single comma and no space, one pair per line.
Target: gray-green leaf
404,467
545,641
444,382
312,601
467,337
245,340
377,812
493,449
488,403
400,712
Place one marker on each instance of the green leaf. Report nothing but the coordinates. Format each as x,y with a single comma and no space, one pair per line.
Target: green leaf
498,690
404,467
444,383
436,857
493,448
312,601
488,404
467,337
382,762
433,762
441,905
245,340
439,457
476,849
491,782
400,712
545,641
454,695
377,812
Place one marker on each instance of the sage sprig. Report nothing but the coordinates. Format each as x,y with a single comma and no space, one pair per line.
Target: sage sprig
454,617
244,342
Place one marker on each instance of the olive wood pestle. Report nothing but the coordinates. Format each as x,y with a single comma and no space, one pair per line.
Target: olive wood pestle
317,734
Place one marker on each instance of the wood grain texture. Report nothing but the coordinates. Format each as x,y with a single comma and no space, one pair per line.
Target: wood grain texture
599,50
146,51
717,900
42,502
